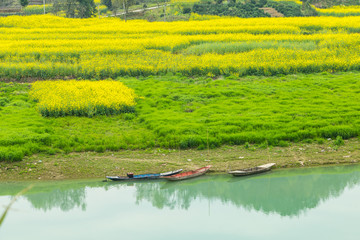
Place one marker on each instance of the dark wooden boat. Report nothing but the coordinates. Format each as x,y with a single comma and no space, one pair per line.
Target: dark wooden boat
250,171
187,175
131,176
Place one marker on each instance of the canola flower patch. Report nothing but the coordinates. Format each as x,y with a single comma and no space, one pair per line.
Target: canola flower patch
49,47
82,98
340,11
296,1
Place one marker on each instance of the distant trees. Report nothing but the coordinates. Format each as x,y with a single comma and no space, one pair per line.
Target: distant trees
330,3
107,3
75,8
24,3
250,9
307,9
87,8
121,4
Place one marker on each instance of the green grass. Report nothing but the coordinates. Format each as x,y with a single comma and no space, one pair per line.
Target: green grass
237,47
180,112
334,14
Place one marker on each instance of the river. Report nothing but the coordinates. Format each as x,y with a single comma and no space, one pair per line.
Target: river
314,203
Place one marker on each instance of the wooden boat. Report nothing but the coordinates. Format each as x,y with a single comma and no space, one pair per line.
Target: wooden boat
187,175
250,171
131,176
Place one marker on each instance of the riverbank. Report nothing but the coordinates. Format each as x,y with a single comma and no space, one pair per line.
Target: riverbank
97,165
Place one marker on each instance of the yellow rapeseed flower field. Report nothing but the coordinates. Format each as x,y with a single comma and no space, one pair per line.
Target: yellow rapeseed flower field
82,98
53,47
340,10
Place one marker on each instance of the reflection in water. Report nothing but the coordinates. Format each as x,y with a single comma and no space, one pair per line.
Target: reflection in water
63,199
285,192
65,195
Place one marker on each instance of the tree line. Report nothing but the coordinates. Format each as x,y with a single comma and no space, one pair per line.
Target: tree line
87,8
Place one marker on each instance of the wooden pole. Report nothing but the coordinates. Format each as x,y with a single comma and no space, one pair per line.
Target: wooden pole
124,10
164,10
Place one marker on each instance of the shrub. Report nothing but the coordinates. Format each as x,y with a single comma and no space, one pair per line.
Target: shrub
339,141
345,132
247,10
288,8
11,154
3,101
186,10
283,144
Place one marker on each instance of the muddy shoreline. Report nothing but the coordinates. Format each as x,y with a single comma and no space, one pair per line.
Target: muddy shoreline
86,165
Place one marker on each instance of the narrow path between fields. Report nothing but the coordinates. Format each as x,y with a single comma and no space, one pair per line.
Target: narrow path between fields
138,10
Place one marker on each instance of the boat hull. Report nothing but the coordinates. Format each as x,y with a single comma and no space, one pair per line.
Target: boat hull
251,171
188,175
143,176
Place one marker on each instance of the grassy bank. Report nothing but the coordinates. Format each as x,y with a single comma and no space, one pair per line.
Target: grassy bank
177,112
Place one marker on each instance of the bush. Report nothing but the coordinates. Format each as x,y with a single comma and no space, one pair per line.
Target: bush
100,149
247,10
345,132
11,155
3,101
339,141
186,10
191,142
107,3
289,9
283,144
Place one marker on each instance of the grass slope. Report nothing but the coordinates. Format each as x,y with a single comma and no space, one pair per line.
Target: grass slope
180,112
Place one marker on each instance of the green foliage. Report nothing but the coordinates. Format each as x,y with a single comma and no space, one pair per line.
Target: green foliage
11,155
3,101
344,131
75,8
120,4
334,14
330,3
307,9
38,10
339,141
107,3
237,47
24,3
186,10
288,8
247,10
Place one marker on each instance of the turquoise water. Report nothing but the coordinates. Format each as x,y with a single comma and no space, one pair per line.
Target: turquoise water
318,203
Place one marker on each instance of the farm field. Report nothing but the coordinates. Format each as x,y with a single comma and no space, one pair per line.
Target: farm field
48,47
178,112
202,84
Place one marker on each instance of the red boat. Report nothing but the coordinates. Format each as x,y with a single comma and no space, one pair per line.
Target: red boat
187,175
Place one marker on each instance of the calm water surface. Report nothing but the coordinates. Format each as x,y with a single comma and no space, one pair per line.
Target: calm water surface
319,203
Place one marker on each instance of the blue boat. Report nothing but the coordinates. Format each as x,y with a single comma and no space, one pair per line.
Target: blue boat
131,176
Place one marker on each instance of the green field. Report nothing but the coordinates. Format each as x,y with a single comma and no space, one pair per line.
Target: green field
178,112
